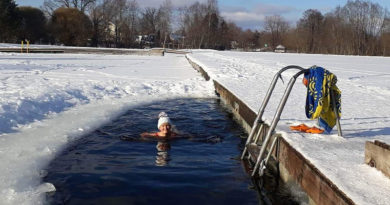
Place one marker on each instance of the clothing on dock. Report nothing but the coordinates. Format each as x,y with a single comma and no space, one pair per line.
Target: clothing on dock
318,101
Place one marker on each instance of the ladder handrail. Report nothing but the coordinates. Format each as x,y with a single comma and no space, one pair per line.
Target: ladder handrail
276,119
265,103
339,132
264,162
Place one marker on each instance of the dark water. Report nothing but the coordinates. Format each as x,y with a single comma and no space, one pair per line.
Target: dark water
100,168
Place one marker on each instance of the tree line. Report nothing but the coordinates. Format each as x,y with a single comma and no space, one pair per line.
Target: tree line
358,28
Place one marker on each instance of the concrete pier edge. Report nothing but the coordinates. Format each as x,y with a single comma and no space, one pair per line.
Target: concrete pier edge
293,166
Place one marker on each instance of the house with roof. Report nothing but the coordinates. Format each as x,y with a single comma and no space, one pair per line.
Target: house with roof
280,49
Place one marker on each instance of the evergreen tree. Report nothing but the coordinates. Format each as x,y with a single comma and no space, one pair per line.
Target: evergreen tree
9,20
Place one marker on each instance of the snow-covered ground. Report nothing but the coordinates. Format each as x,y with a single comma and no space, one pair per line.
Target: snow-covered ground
365,86
47,100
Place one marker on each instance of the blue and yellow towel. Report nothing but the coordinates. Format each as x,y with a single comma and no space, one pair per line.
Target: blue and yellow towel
318,101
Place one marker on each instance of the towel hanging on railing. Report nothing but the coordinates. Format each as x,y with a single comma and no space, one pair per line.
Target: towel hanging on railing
320,82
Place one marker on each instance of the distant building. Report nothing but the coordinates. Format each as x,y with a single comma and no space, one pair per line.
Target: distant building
111,28
280,49
146,41
234,44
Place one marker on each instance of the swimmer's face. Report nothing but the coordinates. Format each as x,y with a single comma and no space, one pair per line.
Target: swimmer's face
165,128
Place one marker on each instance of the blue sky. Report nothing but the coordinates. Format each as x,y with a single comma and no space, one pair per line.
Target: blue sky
251,13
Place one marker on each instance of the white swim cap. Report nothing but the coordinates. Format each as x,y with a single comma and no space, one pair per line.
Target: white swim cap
163,118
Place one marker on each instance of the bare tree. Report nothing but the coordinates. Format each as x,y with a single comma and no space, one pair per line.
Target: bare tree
224,36
293,41
119,9
203,27
50,5
277,26
96,15
333,27
366,21
165,19
149,18
192,24
106,13
82,5
311,25
384,39
212,20
103,16
131,21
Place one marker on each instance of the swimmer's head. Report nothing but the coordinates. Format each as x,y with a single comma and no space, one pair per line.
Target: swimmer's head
163,119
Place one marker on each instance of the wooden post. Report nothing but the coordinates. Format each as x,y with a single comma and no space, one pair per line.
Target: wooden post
28,45
377,154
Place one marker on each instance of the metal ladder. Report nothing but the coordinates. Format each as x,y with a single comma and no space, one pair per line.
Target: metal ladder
260,162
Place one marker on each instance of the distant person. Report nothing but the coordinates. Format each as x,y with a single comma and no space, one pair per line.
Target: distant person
164,126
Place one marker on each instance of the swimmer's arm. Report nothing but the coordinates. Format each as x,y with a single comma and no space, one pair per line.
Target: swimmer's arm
148,134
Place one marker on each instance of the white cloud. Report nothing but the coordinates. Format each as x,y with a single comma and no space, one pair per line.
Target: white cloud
239,16
244,19
269,9
254,18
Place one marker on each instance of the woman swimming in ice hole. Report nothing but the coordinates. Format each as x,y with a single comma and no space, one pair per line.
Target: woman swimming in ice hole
164,126
166,132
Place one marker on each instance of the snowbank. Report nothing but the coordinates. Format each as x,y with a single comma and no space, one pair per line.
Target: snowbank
364,82
48,100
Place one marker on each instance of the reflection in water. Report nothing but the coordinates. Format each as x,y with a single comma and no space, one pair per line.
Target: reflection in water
162,157
163,146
